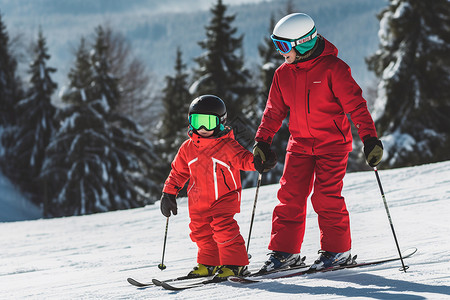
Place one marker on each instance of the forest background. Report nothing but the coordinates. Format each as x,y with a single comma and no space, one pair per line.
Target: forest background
95,94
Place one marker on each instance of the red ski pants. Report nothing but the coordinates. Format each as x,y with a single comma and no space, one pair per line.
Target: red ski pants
219,240
301,174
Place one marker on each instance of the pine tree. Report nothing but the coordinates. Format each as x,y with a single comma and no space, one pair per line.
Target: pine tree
221,72
10,88
106,86
98,160
173,125
34,125
80,77
413,66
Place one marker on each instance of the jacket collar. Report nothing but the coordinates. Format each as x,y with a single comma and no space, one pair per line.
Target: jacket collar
201,142
328,49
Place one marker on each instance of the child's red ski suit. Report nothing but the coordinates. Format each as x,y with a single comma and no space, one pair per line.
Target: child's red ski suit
212,166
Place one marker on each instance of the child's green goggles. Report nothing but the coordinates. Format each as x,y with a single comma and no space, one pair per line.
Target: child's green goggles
209,122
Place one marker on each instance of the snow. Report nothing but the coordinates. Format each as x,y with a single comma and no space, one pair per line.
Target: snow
90,257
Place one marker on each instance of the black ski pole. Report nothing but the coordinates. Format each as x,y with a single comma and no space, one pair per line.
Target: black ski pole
253,213
162,266
404,268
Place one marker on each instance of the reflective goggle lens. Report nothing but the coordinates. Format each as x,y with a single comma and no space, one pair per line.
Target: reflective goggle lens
282,46
209,122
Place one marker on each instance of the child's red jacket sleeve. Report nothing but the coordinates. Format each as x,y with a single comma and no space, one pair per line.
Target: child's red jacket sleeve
179,174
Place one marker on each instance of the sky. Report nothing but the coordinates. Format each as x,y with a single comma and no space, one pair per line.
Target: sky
90,257
156,28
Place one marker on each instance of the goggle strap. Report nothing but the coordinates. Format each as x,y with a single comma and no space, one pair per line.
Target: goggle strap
297,42
304,40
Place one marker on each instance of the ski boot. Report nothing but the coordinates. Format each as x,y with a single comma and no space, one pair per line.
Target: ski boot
202,270
331,259
280,260
227,271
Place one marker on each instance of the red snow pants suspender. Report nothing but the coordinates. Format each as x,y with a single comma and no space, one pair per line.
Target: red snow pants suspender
301,173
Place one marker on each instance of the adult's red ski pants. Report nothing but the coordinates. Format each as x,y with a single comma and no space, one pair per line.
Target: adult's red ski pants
219,240
302,174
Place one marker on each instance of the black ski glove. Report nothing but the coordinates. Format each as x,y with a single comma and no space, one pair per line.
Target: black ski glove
373,150
168,204
264,158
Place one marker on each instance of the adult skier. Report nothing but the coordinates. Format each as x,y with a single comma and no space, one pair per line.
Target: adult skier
317,89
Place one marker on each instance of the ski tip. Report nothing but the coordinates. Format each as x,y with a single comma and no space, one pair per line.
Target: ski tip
137,283
410,251
241,279
156,282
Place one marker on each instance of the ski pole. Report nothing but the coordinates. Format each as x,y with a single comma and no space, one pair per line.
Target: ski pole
404,268
253,213
162,266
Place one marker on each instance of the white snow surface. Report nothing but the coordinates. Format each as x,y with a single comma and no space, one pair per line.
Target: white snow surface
90,257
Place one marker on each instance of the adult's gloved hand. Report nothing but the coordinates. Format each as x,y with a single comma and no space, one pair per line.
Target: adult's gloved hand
373,150
264,158
168,204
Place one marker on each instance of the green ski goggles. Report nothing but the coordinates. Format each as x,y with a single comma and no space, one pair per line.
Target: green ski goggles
198,121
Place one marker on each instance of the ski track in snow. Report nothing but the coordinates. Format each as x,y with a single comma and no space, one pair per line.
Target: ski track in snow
90,257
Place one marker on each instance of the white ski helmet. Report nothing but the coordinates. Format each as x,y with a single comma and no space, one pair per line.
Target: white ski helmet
297,28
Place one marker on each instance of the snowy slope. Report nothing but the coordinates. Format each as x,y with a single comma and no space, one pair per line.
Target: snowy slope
90,257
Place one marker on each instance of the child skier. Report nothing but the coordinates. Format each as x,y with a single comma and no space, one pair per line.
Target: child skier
211,160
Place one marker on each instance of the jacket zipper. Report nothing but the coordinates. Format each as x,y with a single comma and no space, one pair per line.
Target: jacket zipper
335,124
224,181
308,102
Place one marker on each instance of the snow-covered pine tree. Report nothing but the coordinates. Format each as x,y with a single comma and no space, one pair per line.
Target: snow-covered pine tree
80,77
221,72
413,65
137,85
172,127
98,160
10,87
27,140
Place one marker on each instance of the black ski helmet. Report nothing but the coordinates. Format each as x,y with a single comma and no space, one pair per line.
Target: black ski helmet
209,105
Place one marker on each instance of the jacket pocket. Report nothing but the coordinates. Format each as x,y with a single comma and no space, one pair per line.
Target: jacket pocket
224,179
343,135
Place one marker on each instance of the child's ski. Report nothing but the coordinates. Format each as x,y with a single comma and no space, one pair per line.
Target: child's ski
189,279
181,284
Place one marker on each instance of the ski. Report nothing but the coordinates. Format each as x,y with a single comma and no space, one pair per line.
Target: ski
189,279
138,283
288,273
177,285
184,286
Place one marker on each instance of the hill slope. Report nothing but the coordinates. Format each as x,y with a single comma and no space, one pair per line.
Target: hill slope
91,256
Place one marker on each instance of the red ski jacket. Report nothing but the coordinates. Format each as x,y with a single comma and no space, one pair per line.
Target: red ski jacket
212,166
317,94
